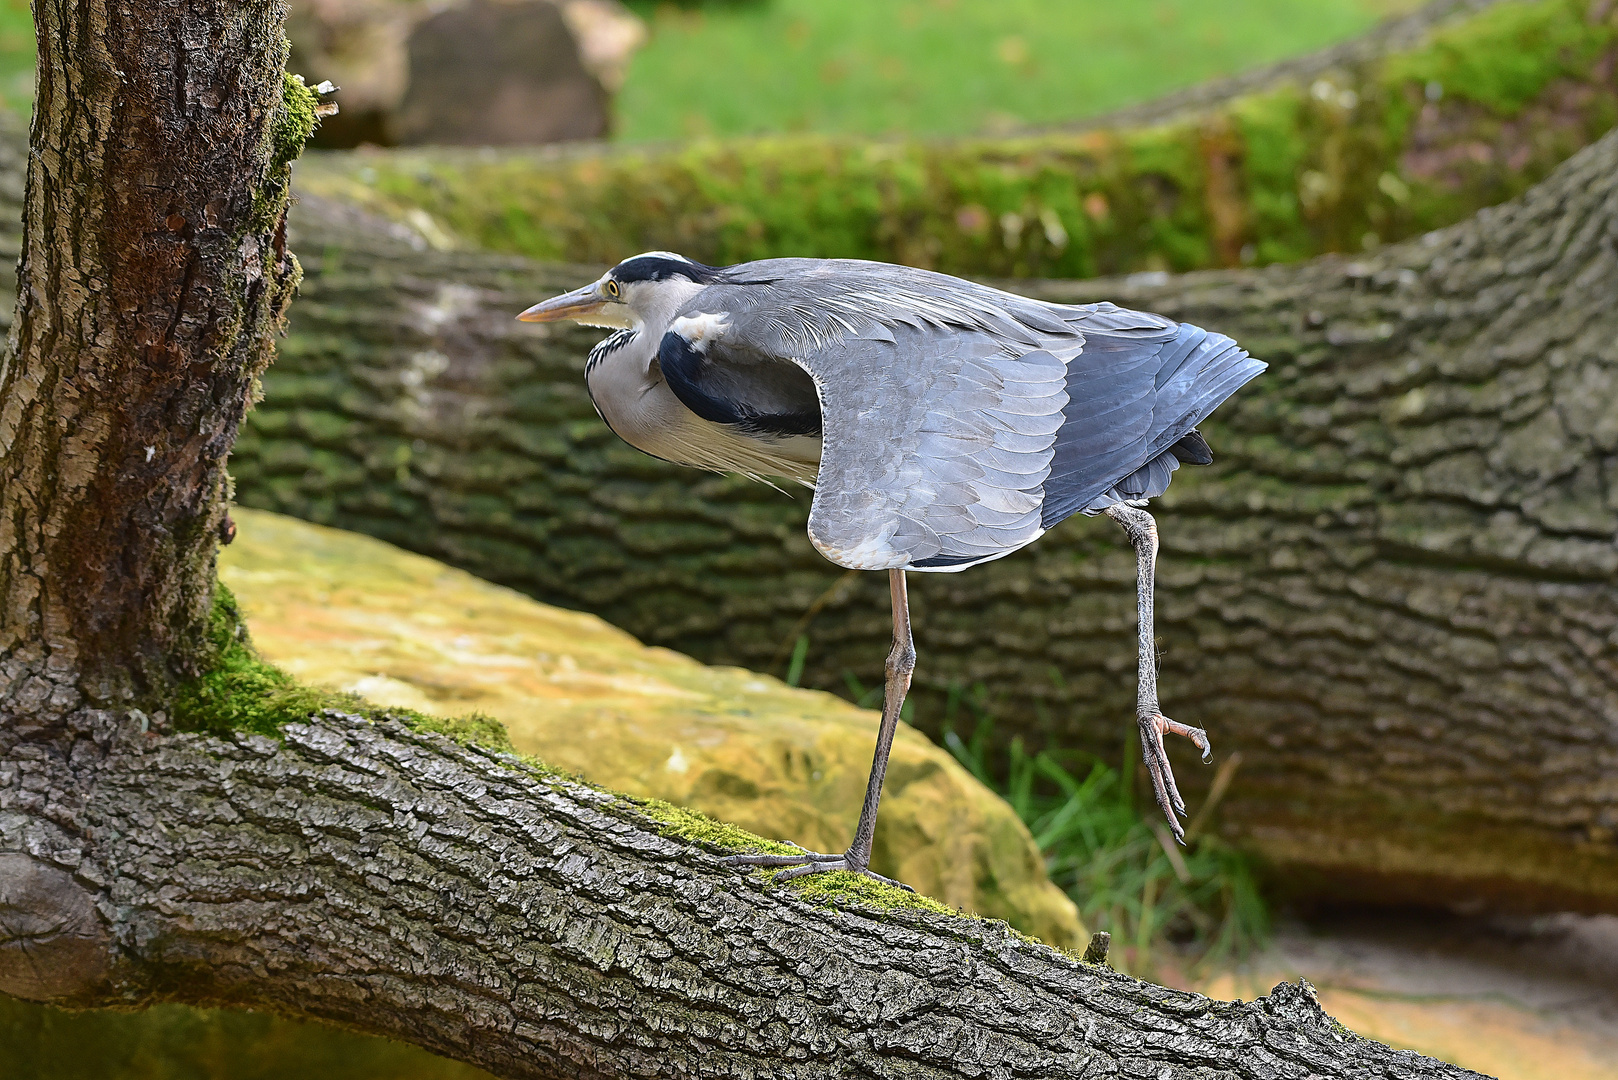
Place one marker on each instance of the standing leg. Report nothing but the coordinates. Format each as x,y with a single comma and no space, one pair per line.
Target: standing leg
901,662
1142,532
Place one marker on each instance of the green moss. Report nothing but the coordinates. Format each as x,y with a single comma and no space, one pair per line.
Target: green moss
1302,169
841,886
1507,54
686,824
288,133
296,123
836,887
241,692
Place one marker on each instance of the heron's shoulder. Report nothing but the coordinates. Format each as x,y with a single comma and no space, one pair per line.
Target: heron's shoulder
891,291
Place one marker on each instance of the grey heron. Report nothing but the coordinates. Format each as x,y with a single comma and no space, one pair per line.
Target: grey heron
940,422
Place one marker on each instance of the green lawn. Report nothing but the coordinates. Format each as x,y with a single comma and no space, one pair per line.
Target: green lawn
945,67
16,56
926,67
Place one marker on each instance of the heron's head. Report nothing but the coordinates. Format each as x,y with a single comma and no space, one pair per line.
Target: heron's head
642,289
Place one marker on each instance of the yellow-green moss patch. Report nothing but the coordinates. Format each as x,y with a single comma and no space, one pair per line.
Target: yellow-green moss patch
843,886
297,121
686,824
834,887
242,692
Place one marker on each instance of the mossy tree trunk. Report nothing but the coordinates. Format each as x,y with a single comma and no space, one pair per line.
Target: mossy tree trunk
154,275
1394,592
1461,105
404,885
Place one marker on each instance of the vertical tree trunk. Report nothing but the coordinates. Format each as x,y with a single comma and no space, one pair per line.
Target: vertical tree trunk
153,279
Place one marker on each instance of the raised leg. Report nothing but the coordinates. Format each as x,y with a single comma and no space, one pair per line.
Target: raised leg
901,663
1142,532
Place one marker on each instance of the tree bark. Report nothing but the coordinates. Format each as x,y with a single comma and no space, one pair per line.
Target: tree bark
407,885
153,278
1394,592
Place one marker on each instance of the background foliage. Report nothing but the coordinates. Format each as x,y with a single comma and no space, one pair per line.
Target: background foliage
1344,161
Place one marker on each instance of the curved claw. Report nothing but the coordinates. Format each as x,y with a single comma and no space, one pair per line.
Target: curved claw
1195,734
1152,730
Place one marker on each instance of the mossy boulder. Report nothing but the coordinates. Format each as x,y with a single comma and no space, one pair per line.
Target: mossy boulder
1343,156
355,614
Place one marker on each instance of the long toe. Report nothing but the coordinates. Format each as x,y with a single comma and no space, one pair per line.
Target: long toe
811,858
806,869
1156,760
1195,734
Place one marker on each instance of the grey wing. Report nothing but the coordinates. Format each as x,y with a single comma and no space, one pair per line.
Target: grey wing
939,401
959,422
1136,394
934,464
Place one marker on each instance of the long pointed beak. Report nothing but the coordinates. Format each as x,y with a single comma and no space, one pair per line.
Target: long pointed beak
585,301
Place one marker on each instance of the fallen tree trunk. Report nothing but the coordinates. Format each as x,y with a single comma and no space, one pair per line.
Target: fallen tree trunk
463,901
1462,105
1393,592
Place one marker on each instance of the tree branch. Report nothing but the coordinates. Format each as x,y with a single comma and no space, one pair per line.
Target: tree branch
406,885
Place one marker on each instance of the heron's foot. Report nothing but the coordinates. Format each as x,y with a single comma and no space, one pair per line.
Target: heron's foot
810,862
1152,729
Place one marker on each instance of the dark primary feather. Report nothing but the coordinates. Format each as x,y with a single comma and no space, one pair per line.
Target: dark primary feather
1193,449
1134,397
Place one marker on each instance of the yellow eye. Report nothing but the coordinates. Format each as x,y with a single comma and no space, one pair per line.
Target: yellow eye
612,288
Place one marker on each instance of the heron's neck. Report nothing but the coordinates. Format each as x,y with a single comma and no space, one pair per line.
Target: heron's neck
656,309
609,345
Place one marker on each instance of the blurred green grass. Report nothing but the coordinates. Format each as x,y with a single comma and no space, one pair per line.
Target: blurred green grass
1172,910
948,67
923,67
1106,846
16,56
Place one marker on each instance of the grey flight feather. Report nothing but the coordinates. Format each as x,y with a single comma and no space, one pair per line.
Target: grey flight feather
958,422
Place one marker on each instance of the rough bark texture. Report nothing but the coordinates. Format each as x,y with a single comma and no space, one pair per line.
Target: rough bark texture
154,274
1394,592
406,885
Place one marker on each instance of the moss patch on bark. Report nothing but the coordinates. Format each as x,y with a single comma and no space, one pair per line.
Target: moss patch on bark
242,692
835,887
